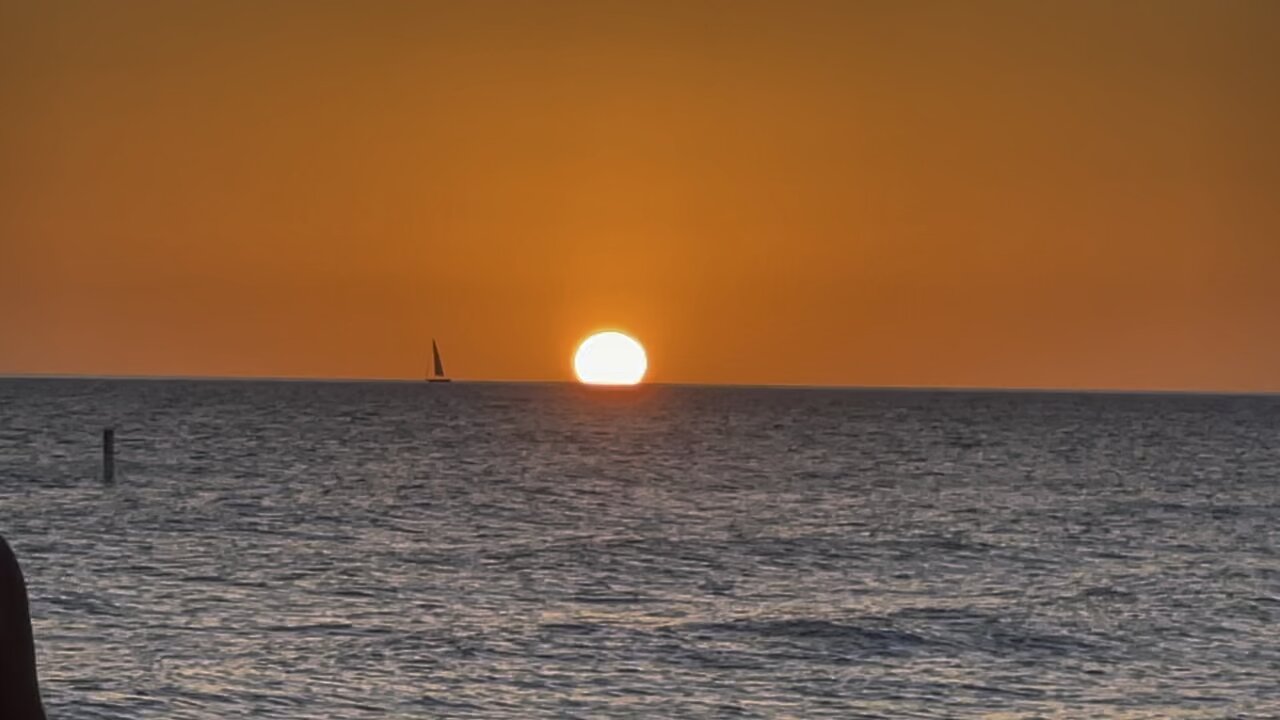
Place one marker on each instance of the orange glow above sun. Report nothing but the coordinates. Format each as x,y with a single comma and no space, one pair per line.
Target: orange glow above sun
610,358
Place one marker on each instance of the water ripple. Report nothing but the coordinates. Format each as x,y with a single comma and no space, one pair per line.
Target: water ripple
310,550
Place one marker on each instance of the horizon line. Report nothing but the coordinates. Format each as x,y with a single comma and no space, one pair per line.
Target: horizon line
1012,389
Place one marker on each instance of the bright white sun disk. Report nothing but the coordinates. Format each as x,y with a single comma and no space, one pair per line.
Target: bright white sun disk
610,358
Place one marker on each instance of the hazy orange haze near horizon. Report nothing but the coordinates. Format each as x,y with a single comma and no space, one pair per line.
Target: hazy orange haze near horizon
1049,194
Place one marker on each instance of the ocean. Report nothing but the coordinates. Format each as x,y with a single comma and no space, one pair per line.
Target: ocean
477,550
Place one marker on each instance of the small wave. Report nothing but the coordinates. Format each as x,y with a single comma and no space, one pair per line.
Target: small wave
1106,592
591,599
572,628
810,628
311,627
943,614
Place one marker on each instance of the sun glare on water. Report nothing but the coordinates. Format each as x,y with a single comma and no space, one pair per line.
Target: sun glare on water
610,358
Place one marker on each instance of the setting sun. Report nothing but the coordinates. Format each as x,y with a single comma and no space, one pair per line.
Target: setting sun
610,358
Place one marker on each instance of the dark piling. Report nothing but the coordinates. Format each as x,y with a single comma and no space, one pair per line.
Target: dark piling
109,455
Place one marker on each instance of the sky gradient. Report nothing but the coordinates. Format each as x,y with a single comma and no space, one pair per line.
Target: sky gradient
1002,194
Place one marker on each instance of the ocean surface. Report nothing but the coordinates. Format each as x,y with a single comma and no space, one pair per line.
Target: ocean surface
379,550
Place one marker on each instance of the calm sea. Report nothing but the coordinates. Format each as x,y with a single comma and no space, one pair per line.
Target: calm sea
376,550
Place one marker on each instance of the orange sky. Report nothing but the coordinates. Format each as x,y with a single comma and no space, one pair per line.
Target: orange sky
1065,194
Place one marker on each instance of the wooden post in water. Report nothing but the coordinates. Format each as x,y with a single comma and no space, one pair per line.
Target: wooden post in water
109,455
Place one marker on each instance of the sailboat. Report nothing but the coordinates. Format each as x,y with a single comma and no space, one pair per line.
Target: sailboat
438,376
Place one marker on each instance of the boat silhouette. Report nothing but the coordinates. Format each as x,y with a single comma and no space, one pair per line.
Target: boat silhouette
438,376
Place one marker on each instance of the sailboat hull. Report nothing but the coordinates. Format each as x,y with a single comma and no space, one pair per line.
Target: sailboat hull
439,380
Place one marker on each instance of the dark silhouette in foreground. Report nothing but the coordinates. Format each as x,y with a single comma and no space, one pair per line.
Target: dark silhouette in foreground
19,691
